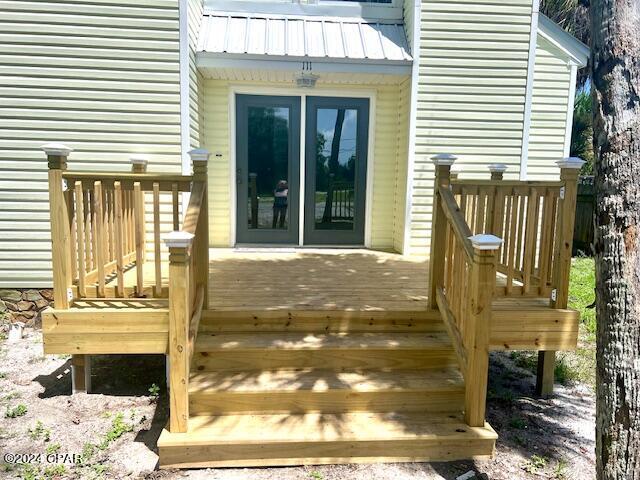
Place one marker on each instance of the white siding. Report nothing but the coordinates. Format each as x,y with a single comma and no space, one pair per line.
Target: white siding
409,22
101,77
471,93
195,76
550,101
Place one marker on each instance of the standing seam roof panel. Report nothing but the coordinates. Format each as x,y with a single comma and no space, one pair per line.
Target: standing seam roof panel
315,37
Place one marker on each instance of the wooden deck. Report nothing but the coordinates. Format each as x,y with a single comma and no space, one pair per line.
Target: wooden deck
314,279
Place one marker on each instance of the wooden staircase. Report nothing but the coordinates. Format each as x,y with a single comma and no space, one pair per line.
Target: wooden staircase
323,388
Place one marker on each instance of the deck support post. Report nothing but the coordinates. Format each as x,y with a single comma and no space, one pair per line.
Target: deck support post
80,374
57,155
443,163
478,329
179,244
200,161
569,170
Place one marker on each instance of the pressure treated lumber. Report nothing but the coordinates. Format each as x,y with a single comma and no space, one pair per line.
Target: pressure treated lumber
271,440
321,390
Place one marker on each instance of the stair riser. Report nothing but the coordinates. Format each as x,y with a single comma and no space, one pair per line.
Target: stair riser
321,325
333,402
315,453
341,359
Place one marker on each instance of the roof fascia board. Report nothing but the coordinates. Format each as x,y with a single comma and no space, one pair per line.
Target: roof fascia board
288,63
329,9
577,51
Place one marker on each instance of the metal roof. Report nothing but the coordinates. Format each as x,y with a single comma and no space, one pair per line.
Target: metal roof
305,38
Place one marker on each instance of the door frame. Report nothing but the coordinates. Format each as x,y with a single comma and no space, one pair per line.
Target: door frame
241,89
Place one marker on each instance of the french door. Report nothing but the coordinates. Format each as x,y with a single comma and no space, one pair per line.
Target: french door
268,165
335,170
267,169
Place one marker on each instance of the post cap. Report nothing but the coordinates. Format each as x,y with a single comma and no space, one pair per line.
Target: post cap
570,162
498,168
444,159
483,241
178,239
138,159
57,149
199,155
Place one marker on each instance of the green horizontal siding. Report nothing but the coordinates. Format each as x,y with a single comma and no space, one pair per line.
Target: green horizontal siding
101,76
471,93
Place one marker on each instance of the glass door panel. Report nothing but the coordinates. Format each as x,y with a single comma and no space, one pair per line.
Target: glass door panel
268,161
336,163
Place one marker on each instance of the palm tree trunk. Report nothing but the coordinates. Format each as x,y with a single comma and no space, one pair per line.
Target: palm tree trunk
615,29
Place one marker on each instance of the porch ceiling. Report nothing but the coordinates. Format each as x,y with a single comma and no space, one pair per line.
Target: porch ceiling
321,45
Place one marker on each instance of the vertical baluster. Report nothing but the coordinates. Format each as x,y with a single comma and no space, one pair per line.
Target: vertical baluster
157,289
87,230
521,224
119,238
174,203
546,247
111,221
99,232
480,213
531,233
138,213
71,212
81,240
515,199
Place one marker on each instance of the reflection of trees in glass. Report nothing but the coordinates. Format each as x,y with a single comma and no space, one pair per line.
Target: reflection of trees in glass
329,170
268,147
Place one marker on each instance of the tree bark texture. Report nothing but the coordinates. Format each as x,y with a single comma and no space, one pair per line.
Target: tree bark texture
615,27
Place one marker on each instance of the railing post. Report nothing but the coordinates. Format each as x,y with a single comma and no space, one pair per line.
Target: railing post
442,162
478,328
497,170
495,202
57,155
179,244
200,161
138,163
569,170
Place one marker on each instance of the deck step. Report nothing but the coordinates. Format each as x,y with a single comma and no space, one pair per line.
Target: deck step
342,351
313,438
309,390
264,320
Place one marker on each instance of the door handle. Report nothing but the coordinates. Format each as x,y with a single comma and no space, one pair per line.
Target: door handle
239,176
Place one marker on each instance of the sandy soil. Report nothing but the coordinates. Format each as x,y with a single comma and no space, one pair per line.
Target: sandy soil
113,430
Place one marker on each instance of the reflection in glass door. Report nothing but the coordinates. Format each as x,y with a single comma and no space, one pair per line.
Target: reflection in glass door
336,168
268,168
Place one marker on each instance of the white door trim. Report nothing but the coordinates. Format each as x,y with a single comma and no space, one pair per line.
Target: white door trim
235,89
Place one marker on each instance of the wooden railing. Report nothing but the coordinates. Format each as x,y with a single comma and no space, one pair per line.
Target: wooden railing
99,227
188,280
493,238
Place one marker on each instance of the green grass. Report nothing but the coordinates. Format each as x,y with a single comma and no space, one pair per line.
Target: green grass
581,293
578,365
17,411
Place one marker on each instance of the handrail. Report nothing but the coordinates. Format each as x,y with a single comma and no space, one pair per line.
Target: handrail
505,183
535,219
166,181
188,285
196,201
456,220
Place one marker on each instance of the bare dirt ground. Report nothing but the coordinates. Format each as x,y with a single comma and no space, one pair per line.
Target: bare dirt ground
111,433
